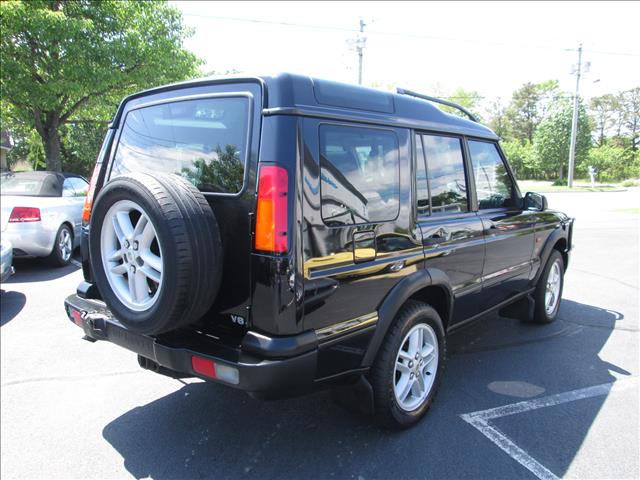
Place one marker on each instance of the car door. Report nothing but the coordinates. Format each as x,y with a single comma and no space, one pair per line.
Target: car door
508,229
451,232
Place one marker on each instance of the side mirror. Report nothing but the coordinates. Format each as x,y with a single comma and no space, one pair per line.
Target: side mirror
535,201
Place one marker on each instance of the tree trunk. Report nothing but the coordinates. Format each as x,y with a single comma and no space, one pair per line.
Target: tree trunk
560,172
51,142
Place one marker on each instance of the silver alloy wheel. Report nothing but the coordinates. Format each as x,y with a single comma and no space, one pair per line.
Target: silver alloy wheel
416,366
133,270
65,244
552,293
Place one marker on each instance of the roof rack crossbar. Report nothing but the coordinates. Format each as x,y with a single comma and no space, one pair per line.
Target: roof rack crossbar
403,91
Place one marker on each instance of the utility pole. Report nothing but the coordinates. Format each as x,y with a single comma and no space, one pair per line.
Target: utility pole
358,45
574,122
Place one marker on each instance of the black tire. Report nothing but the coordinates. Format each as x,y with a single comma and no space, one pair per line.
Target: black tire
388,411
57,255
540,314
189,239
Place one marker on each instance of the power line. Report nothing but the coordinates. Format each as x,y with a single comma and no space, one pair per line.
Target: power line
406,35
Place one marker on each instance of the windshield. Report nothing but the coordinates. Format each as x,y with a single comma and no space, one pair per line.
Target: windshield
203,140
32,184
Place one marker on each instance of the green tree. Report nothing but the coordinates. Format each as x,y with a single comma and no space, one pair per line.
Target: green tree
69,60
528,107
611,162
469,99
603,111
630,103
522,159
498,120
80,145
553,136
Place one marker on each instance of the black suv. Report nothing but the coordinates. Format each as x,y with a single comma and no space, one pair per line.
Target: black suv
282,234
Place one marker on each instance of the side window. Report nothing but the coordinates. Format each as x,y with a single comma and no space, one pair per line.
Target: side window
494,186
80,186
447,183
360,174
67,188
421,179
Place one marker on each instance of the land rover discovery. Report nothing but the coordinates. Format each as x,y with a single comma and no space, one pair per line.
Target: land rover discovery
282,234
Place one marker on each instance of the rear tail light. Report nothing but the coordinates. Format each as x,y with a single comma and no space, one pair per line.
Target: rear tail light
88,201
24,214
208,368
272,211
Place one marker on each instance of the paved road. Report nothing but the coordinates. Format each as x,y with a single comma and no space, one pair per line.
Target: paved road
71,409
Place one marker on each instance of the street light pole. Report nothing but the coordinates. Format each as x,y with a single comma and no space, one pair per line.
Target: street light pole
574,122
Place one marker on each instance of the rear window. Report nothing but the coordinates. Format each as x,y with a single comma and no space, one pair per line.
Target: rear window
203,140
33,184
360,175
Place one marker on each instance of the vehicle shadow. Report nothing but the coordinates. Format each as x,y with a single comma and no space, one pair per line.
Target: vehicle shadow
30,270
207,430
12,303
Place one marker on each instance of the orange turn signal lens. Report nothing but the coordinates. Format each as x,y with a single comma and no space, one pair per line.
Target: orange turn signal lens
272,210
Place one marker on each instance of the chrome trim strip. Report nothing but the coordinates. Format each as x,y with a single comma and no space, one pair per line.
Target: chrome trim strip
331,331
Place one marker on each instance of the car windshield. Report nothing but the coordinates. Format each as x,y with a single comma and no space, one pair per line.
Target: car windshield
30,184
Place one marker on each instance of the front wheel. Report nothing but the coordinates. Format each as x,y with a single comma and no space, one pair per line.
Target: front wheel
549,289
407,372
62,247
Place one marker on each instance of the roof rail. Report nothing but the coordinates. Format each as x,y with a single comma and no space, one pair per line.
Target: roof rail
403,91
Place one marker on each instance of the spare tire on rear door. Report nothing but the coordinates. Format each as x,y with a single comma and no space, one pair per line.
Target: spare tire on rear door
155,251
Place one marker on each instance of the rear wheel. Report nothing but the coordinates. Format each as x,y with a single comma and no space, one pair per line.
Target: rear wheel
406,374
62,247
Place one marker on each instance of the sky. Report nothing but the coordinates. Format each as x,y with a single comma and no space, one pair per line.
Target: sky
431,47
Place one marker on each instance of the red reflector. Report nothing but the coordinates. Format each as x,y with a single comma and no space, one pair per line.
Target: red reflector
272,210
203,366
24,214
77,317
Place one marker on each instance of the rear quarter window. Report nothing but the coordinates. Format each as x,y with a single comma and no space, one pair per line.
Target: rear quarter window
360,174
204,140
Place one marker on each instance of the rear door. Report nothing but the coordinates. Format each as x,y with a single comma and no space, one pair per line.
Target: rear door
451,231
209,134
508,229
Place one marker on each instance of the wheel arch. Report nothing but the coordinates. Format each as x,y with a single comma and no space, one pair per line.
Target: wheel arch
557,240
431,286
69,224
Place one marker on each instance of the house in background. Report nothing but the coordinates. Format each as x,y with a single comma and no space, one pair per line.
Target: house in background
5,146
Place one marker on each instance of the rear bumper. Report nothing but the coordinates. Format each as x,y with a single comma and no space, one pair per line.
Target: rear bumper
258,374
30,238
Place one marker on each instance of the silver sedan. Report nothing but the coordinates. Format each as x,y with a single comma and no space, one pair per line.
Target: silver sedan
41,213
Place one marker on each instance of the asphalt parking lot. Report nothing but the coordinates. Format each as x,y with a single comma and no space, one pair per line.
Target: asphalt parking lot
517,401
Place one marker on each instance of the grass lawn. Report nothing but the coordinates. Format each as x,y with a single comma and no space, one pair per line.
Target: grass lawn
541,186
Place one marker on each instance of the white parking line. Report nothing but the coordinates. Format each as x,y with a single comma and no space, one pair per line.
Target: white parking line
76,263
482,420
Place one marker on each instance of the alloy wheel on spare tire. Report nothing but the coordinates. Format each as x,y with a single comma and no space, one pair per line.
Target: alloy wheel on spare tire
155,251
